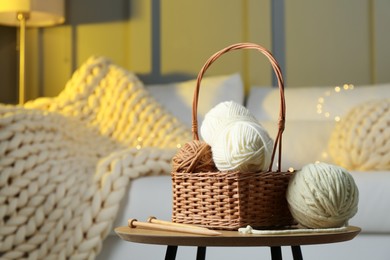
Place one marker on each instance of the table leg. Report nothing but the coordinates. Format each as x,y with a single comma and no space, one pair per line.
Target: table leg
201,253
171,253
296,252
276,253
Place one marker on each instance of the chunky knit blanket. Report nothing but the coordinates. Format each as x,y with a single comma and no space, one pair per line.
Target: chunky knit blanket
66,162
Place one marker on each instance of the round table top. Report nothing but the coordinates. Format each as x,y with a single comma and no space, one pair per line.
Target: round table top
233,238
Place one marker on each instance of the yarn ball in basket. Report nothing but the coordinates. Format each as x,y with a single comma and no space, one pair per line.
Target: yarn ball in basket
219,116
361,140
242,146
194,156
322,195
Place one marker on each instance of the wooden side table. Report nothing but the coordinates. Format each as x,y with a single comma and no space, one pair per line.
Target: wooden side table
233,239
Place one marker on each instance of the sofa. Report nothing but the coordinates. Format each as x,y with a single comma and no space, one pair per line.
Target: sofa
305,140
75,166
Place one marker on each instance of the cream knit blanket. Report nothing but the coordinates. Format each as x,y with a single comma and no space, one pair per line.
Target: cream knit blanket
66,162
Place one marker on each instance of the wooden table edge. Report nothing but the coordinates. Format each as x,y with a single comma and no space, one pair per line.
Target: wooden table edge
233,238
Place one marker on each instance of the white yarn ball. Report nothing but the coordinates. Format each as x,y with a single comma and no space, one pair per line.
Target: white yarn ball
322,196
242,145
221,115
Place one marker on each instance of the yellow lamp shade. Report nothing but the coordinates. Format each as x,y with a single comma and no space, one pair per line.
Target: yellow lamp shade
39,13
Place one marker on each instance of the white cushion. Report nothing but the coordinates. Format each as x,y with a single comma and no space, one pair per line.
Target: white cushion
301,103
361,140
177,97
303,142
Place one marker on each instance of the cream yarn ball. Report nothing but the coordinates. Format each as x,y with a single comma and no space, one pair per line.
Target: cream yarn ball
322,196
361,140
221,115
242,146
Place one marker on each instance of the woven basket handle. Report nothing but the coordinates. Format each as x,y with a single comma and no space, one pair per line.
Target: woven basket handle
278,72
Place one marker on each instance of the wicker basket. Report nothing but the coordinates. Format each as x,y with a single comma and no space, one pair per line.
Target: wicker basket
230,200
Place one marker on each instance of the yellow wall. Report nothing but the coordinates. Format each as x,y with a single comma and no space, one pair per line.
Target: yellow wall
380,35
190,32
326,42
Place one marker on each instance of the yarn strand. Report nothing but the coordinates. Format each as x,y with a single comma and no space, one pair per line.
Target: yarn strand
249,230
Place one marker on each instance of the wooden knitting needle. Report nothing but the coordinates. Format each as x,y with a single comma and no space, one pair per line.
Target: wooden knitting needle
134,223
153,219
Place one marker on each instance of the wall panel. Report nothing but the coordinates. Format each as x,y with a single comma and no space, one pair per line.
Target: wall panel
381,42
327,42
258,23
193,30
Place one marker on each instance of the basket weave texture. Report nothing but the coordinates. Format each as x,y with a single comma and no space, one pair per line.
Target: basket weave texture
230,200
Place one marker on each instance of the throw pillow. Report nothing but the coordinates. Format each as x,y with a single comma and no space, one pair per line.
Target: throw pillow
361,140
177,97
312,103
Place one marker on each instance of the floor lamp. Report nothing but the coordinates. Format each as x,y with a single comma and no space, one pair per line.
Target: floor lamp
29,13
